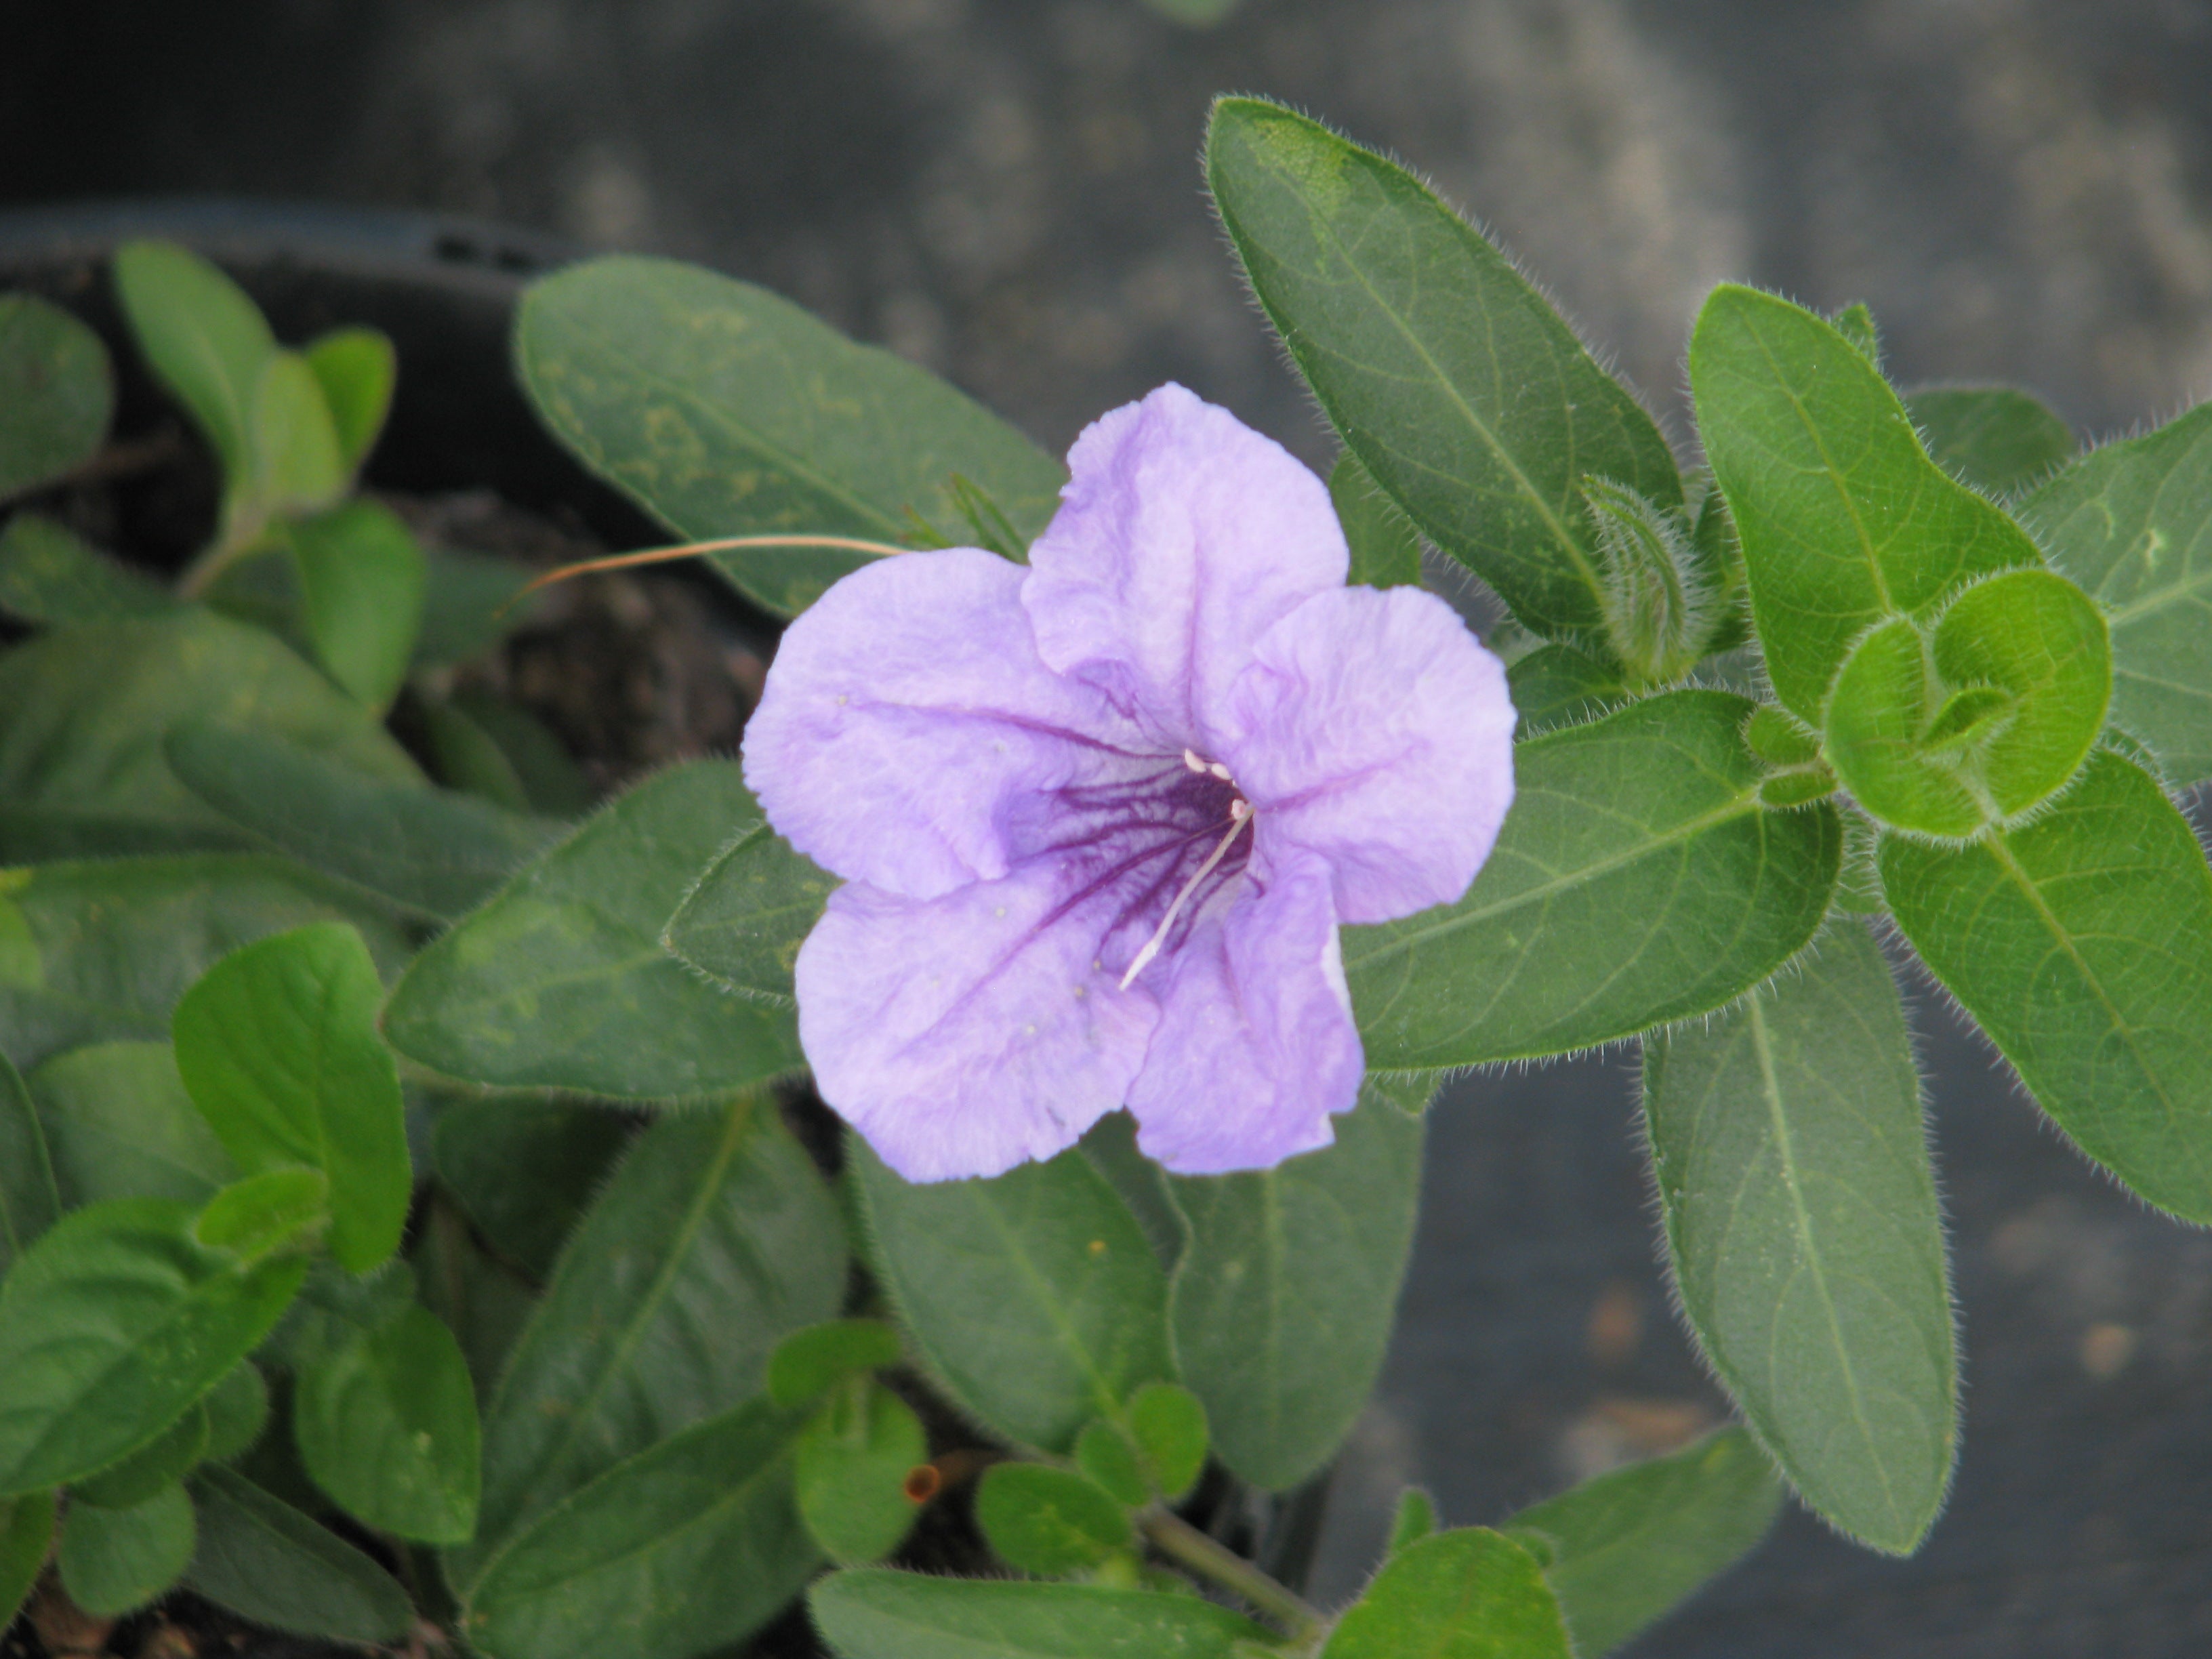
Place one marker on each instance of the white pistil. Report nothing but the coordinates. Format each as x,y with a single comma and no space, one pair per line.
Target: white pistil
1240,814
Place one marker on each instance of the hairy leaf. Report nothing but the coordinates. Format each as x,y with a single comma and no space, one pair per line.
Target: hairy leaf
743,924
850,1476
387,1426
876,1612
1468,1594
113,1560
1996,438
1047,1521
264,1560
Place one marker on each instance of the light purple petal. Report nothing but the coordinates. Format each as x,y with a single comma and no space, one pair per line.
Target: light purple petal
962,1035
1255,1046
907,713
1373,730
1183,536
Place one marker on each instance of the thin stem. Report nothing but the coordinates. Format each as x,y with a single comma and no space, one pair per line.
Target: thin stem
692,549
1175,1537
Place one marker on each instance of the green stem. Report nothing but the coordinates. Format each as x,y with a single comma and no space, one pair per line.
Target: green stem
1210,1559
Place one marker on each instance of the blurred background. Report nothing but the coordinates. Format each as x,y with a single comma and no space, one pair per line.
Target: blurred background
1006,191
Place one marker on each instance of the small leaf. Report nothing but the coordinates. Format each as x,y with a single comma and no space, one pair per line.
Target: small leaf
387,1426
51,576
1465,396
560,981
683,1549
57,393
1282,1305
105,948
483,1302
282,1209
84,712
714,1240
355,367
853,1459
1415,1519
725,410
1557,685
1844,521
29,1203
1793,1170
470,602
1621,1550
1468,1594
26,1533
525,1169
149,1471
361,580
264,1560
1386,549
815,1358
1659,612
297,467
1168,1423
113,1560
1032,1297
430,851
1049,1521
111,1327
876,1612
237,1411
2132,523
121,1125
1108,1457
333,1308
1996,438
1637,880
743,924
2081,943
278,1044
204,340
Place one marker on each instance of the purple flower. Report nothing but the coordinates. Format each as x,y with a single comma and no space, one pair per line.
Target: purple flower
1099,818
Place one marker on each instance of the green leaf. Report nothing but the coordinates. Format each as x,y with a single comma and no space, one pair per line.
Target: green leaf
1111,1145
877,1612
1169,1425
1808,1247
815,1358
743,924
51,576
150,1470
26,1533
1468,1594
1108,1455
265,1561
470,602
1415,1519
1621,1550
2132,523
113,1560
1386,549
104,949
283,1209
714,1240
361,581
278,1044
1557,685
1461,391
57,393
29,1202
1050,1522
111,1327
1984,718
204,340
2082,944
1844,521
483,1302
1996,438
725,410
560,980
333,1308
84,712
387,1426
238,1411
850,1469
1637,880
1032,1297
355,368
432,853
1282,1305
682,1550
297,465
121,1125
525,1169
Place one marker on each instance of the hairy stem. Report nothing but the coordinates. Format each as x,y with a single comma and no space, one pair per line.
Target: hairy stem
1214,1561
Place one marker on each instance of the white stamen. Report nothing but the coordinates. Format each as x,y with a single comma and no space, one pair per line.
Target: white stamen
1193,760
1240,814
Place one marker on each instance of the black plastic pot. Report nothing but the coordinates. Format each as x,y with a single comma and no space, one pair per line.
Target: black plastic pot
445,290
